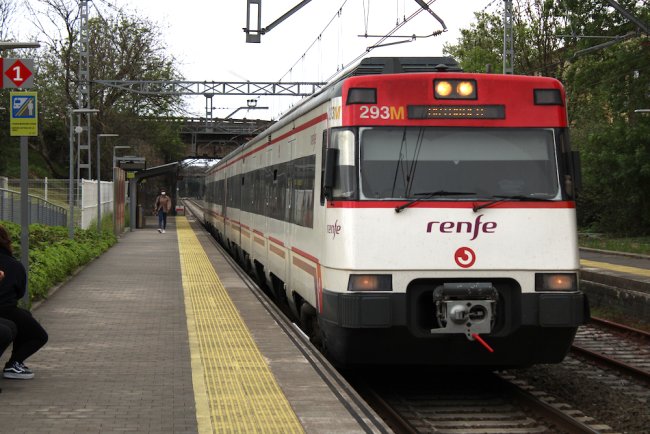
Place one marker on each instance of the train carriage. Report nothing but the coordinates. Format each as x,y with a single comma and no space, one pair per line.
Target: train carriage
411,213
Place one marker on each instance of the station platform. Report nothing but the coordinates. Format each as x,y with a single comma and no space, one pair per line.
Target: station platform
162,335
617,284
617,268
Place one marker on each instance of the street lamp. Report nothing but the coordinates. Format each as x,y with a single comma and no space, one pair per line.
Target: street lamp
99,182
8,45
118,147
71,173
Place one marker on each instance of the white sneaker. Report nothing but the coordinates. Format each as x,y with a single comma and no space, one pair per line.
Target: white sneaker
160,230
163,231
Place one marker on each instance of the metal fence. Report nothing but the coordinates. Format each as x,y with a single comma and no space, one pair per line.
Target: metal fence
47,195
40,210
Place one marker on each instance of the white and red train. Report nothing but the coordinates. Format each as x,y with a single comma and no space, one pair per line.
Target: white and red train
410,213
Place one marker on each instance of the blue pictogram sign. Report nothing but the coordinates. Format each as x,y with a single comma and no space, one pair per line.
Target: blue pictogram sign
24,114
23,106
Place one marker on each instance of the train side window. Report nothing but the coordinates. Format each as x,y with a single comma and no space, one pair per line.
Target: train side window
322,167
345,185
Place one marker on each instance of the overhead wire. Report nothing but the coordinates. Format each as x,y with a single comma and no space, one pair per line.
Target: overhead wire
302,56
382,39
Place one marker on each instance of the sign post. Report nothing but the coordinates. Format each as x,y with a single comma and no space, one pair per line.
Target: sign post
23,122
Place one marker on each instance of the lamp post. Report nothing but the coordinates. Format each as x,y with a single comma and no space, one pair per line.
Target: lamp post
118,147
71,173
99,181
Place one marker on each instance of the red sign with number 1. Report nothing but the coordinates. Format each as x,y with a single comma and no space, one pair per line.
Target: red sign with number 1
17,73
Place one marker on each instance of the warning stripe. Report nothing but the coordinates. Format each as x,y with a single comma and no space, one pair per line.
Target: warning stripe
241,392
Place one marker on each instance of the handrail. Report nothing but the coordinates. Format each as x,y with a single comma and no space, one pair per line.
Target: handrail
40,210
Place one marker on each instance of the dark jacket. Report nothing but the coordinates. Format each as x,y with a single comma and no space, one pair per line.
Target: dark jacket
13,286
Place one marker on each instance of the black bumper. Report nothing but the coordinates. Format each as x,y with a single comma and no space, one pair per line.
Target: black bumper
389,310
396,329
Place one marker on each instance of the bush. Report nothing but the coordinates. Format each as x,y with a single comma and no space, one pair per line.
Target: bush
53,256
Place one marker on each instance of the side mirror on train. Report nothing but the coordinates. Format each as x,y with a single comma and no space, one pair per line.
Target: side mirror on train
329,177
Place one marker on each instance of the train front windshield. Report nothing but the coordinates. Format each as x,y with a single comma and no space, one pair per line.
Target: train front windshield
408,162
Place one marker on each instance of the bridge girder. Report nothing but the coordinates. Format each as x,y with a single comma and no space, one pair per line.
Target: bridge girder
214,88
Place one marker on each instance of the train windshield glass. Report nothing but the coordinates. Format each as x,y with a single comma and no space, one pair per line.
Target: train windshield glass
405,162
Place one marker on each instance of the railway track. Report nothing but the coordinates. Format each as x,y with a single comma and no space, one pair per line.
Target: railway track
493,403
476,403
615,346
510,404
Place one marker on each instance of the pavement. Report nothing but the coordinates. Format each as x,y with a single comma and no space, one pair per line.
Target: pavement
120,358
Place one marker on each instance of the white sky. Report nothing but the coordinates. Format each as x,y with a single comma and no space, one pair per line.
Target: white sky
207,39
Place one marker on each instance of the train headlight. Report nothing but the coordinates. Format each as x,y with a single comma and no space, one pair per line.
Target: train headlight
454,89
443,89
370,282
556,282
465,88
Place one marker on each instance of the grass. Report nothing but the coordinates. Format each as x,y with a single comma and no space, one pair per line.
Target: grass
620,317
640,245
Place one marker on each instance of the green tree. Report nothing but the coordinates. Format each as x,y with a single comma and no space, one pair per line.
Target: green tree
605,89
605,66
122,47
536,49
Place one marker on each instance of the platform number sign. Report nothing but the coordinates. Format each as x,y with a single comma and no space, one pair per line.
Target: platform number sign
24,114
17,73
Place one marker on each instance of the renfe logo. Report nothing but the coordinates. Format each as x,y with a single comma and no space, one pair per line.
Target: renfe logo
465,257
334,229
473,228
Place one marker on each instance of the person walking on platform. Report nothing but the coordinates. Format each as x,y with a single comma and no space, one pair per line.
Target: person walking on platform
162,207
30,336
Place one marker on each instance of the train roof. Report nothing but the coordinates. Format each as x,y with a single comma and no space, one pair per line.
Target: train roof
403,65
367,66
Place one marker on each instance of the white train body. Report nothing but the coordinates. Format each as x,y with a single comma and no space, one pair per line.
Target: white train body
390,256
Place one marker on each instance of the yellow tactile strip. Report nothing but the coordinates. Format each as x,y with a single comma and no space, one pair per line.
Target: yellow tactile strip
232,382
615,267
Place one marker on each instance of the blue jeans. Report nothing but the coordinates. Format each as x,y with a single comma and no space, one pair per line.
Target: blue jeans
162,219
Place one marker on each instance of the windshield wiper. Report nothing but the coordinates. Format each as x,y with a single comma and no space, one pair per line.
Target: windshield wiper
428,195
501,198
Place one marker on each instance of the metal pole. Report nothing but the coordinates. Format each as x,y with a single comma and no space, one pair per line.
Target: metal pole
70,187
99,191
71,173
24,213
133,202
99,182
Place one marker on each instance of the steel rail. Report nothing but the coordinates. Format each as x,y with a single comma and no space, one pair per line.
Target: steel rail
621,327
611,362
602,359
548,412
